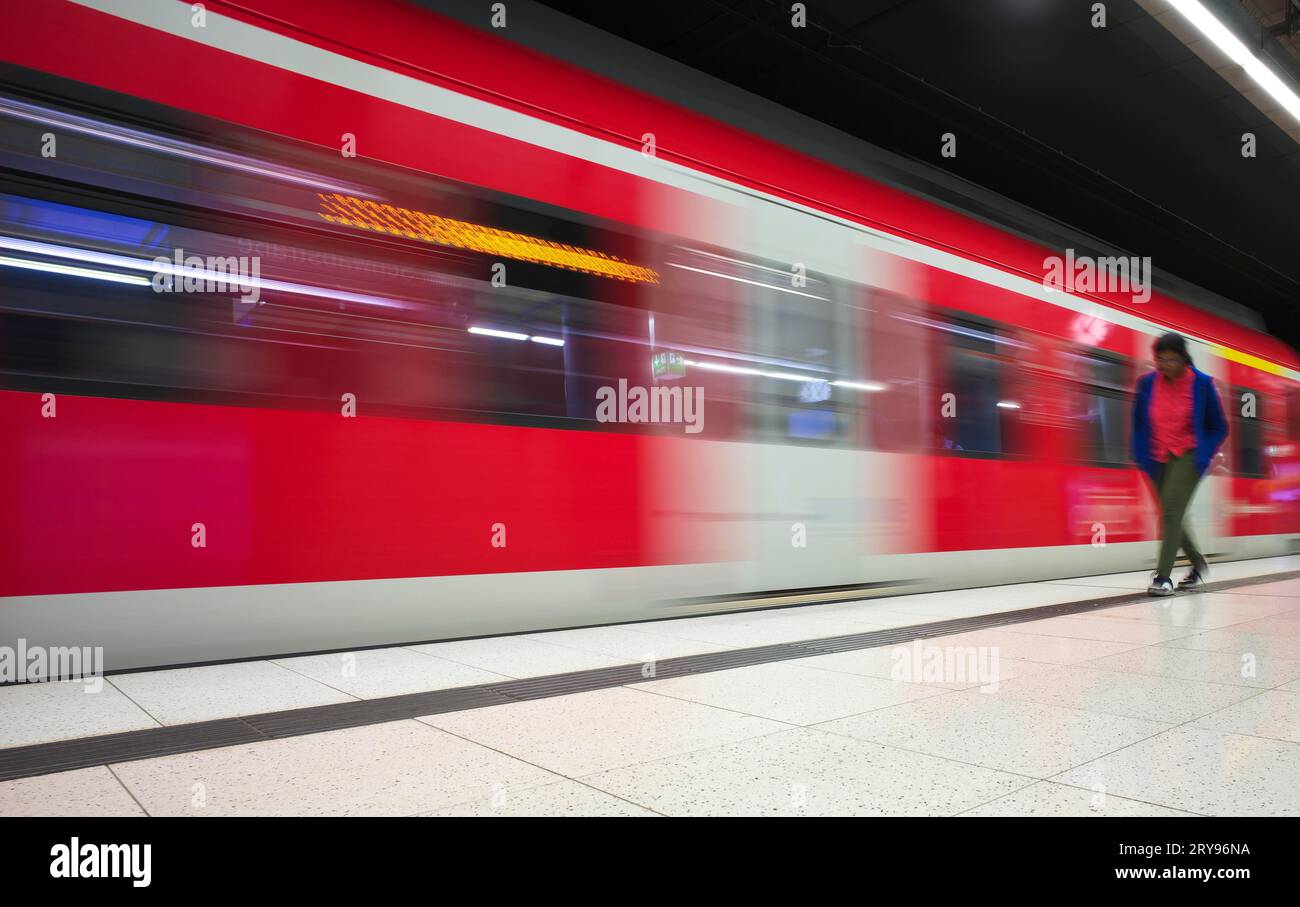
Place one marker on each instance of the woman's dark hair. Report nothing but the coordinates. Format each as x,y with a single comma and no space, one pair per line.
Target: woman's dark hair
1172,343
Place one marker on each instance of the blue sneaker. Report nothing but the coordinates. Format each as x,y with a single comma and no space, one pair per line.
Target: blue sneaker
1194,578
1161,585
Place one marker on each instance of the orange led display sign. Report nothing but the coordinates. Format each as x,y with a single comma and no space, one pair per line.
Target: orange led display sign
351,211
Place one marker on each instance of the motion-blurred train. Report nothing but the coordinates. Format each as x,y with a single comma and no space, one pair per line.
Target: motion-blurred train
307,320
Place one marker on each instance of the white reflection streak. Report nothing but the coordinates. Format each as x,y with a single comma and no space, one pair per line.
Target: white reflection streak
757,283
748,264
139,264
494,332
783,376
174,147
50,267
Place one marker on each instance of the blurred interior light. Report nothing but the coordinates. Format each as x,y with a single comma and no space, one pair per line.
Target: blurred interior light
780,376
443,231
787,376
50,267
549,341
111,132
756,283
1008,404
784,376
493,332
141,264
1227,42
719,367
748,264
965,332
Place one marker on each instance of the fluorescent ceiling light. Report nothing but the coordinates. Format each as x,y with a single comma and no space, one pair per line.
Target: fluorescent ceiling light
549,341
1227,42
1007,404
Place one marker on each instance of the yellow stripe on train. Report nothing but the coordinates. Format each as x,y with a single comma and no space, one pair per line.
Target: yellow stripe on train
1247,359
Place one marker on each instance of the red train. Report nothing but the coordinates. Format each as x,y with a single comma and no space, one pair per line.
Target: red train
308,346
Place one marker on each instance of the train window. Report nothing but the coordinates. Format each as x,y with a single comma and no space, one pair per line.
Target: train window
406,331
774,357
376,282
1099,408
1247,415
974,413
803,336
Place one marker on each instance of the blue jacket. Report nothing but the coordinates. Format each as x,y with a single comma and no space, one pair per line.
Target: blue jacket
1208,422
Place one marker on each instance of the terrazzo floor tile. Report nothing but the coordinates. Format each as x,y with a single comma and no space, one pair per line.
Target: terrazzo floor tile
956,603
1286,587
803,772
561,798
1162,699
398,768
1261,644
1195,664
786,692
879,614
1024,737
205,693
635,643
1109,630
1241,601
587,732
519,656
1249,600
41,712
1232,570
1273,713
1196,612
1021,646
759,628
84,792
372,673
1047,799
902,663
1278,624
1202,772
1134,581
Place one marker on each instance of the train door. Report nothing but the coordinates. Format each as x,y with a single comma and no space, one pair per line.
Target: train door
806,478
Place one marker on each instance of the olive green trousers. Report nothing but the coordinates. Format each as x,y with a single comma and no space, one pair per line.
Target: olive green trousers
1175,486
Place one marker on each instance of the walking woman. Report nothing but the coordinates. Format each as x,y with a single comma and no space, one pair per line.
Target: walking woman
1178,425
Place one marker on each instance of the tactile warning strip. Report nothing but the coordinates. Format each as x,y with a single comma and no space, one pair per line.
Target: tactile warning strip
86,752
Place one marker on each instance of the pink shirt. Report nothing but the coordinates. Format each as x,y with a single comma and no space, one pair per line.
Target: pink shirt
1171,416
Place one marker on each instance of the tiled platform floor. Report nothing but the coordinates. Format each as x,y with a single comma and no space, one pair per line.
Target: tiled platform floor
1189,705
